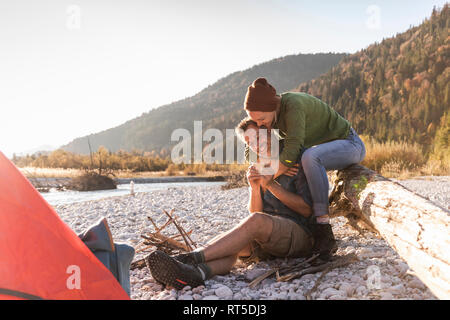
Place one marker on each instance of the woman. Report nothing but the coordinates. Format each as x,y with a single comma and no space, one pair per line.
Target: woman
305,121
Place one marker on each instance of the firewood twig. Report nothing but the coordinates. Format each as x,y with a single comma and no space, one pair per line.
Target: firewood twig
179,229
169,244
319,280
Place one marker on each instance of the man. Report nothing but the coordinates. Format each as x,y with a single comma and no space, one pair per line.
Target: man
278,226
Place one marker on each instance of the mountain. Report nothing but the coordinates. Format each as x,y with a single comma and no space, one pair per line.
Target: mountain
398,89
43,149
219,105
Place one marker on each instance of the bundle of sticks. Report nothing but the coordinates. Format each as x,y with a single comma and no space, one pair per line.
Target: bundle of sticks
179,243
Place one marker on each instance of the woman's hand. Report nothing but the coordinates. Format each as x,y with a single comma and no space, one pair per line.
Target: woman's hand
291,172
282,169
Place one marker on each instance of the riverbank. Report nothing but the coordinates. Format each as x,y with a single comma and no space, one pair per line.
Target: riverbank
209,211
54,197
60,183
59,173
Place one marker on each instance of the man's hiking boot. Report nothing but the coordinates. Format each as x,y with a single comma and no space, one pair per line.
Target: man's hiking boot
186,258
171,272
324,241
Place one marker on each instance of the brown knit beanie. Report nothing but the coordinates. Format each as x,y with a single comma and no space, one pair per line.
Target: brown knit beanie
261,96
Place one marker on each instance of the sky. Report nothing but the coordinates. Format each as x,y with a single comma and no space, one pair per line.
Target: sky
72,68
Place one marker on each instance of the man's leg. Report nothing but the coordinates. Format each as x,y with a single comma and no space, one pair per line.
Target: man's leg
257,226
223,265
220,254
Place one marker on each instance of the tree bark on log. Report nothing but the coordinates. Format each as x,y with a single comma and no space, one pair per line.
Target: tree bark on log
412,225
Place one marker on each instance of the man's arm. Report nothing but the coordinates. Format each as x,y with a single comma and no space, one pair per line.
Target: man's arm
291,200
255,203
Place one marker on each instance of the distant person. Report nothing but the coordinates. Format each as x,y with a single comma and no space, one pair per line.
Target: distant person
305,121
278,226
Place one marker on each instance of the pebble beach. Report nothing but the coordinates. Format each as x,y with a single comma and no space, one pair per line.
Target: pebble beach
209,211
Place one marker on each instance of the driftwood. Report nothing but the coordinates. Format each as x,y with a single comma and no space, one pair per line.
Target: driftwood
307,266
295,267
158,241
340,261
412,225
316,285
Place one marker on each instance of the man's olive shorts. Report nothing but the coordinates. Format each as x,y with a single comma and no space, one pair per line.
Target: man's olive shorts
288,239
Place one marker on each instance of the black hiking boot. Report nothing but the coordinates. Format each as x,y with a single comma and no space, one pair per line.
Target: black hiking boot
324,241
186,258
171,272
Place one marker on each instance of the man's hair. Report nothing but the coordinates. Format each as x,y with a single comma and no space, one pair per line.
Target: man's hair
243,126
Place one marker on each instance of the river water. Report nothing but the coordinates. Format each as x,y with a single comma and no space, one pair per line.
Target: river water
54,197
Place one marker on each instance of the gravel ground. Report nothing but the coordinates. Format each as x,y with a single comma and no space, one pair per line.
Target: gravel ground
435,189
379,272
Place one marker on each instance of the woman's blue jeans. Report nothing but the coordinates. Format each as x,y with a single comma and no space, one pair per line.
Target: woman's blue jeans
333,155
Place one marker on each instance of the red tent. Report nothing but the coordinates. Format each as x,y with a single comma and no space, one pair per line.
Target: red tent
40,256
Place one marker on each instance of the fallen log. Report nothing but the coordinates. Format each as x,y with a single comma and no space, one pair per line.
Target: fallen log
412,225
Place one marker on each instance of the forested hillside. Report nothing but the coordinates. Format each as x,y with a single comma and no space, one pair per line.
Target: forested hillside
218,106
398,89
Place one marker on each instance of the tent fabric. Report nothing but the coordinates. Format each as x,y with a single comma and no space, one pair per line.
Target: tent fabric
39,254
